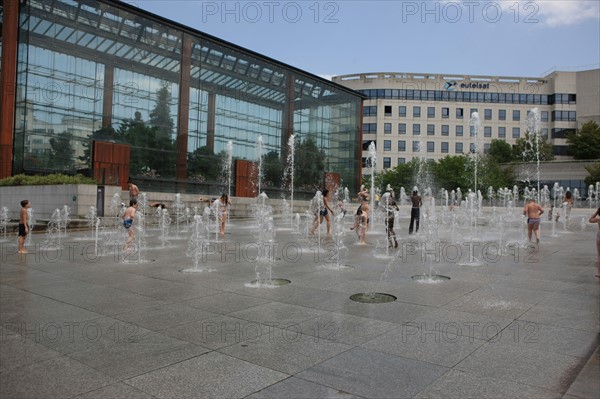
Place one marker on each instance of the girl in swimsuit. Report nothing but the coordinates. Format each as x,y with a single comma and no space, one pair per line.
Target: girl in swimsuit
596,219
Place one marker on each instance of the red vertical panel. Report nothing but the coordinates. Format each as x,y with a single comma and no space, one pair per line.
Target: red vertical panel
245,176
7,81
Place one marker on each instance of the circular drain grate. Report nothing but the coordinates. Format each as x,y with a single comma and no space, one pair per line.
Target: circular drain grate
274,281
430,278
375,297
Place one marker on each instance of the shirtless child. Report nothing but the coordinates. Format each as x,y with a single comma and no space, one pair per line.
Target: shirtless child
533,211
23,226
596,219
128,217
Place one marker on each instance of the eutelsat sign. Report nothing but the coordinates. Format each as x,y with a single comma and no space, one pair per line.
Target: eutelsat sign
452,85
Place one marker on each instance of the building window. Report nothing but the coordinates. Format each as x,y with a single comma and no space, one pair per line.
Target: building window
416,112
387,128
565,116
387,162
486,147
458,148
401,161
487,131
401,145
487,114
445,112
369,128
472,148
387,110
544,133
516,132
401,128
430,130
471,112
402,111
445,130
387,145
444,147
431,112
416,146
459,113
367,143
501,114
459,130
501,132
370,110
544,116
416,129
430,146
516,115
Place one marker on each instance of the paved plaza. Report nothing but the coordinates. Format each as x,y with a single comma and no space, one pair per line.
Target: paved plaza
523,323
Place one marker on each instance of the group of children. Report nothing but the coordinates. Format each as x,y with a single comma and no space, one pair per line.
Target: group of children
532,210
361,216
222,205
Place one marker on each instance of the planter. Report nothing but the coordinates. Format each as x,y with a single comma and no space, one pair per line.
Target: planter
45,199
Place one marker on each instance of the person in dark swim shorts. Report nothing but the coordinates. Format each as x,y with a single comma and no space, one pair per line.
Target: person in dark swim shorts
128,217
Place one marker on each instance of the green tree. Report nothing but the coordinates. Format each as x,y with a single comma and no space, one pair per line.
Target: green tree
403,175
525,149
204,164
152,144
102,134
61,151
160,142
585,144
309,165
594,171
272,169
160,116
452,172
500,151
135,132
490,173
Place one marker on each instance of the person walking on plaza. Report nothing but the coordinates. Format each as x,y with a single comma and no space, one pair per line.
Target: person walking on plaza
222,209
567,204
363,198
415,212
363,222
595,218
533,211
323,213
128,217
134,191
23,225
389,203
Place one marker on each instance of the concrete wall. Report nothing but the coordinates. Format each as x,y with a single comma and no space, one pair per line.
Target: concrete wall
241,207
45,199
555,170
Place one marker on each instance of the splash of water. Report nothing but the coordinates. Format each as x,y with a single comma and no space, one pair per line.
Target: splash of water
532,123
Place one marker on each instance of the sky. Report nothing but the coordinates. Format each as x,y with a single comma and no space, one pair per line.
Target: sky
327,38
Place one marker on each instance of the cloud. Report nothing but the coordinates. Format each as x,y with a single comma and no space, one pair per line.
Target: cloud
559,13
550,13
553,13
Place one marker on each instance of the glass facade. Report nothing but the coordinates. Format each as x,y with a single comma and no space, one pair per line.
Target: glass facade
102,70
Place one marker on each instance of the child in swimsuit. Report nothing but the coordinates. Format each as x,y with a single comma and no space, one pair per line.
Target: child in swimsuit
128,217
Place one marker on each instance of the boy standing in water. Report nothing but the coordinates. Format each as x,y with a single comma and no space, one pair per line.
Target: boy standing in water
533,211
128,217
23,226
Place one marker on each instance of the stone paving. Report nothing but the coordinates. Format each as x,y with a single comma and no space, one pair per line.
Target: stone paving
524,324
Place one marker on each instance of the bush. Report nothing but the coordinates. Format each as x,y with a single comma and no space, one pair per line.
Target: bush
54,179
